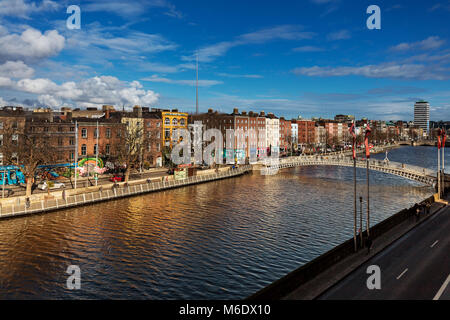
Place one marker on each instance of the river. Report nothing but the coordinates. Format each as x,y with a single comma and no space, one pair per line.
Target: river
219,240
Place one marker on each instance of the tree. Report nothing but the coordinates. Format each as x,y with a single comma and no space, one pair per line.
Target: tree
27,150
129,150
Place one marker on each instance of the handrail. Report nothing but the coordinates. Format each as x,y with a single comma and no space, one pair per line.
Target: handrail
97,196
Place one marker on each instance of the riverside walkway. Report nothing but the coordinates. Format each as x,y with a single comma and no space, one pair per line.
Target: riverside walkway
58,201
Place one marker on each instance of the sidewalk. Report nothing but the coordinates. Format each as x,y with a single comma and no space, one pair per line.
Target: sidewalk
315,287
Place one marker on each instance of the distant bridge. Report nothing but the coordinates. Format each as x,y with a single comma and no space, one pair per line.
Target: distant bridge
419,174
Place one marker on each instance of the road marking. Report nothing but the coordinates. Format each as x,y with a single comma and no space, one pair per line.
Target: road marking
401,274
434,243
441,290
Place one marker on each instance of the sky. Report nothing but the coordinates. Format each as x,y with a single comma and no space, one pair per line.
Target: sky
309,58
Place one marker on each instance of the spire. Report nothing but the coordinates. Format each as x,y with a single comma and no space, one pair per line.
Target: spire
196,86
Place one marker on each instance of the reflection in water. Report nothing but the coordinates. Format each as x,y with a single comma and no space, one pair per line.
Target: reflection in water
218,240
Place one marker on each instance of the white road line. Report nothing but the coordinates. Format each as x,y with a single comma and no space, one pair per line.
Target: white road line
401,274
434,243
441,290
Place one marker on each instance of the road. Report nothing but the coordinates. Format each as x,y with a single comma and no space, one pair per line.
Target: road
20,191
417,266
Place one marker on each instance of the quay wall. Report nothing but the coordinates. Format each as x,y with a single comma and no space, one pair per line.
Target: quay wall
55,201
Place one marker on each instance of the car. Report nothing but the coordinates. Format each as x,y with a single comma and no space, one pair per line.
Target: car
116,179
54,185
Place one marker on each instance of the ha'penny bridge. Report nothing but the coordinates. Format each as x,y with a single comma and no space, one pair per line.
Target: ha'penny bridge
418,174
344,159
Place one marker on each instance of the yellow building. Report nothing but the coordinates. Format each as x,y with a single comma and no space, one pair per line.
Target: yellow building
171,121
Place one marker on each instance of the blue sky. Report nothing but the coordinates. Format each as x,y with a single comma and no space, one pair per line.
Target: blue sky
308,58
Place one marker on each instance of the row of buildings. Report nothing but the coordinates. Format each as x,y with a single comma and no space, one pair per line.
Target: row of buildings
78,134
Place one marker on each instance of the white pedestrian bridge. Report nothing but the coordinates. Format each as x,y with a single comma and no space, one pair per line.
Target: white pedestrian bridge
419,174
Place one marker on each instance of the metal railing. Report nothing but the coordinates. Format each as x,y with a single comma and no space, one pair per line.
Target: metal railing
113,193
411,172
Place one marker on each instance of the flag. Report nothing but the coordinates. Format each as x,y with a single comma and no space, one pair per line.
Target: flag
444,137
439,139
352,131
366,141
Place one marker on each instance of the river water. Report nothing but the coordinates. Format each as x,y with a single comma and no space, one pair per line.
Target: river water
219,240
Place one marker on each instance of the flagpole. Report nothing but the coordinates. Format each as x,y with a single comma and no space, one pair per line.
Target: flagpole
352,130
76,152
354,193
442,171
439,165
367,173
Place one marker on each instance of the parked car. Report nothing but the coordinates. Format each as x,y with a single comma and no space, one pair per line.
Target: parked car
53,185
116,179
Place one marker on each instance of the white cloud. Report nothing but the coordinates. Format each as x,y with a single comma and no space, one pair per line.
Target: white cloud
31,45
430,43
339,35
307,49
386,70
16,69
283,32
97,44
94,91
192,83
248,76
133,8
22,9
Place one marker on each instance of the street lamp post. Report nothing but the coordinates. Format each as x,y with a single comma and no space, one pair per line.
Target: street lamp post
96,157
360,221
76,152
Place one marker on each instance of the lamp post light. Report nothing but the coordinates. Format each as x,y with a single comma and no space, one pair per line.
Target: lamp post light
360,220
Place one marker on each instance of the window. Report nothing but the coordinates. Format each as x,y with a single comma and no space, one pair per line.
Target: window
60,129
149,147
95,133
182,122
95,149
149,124
72,156
83,150
108,148
14,125
167,121
158,147
45,129
60,141
108,133
1,139
174,121
84,133
72,141
158,124
167,133
158,135
72,129
1,124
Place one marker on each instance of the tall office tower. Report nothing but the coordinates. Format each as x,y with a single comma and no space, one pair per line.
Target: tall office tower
422,115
